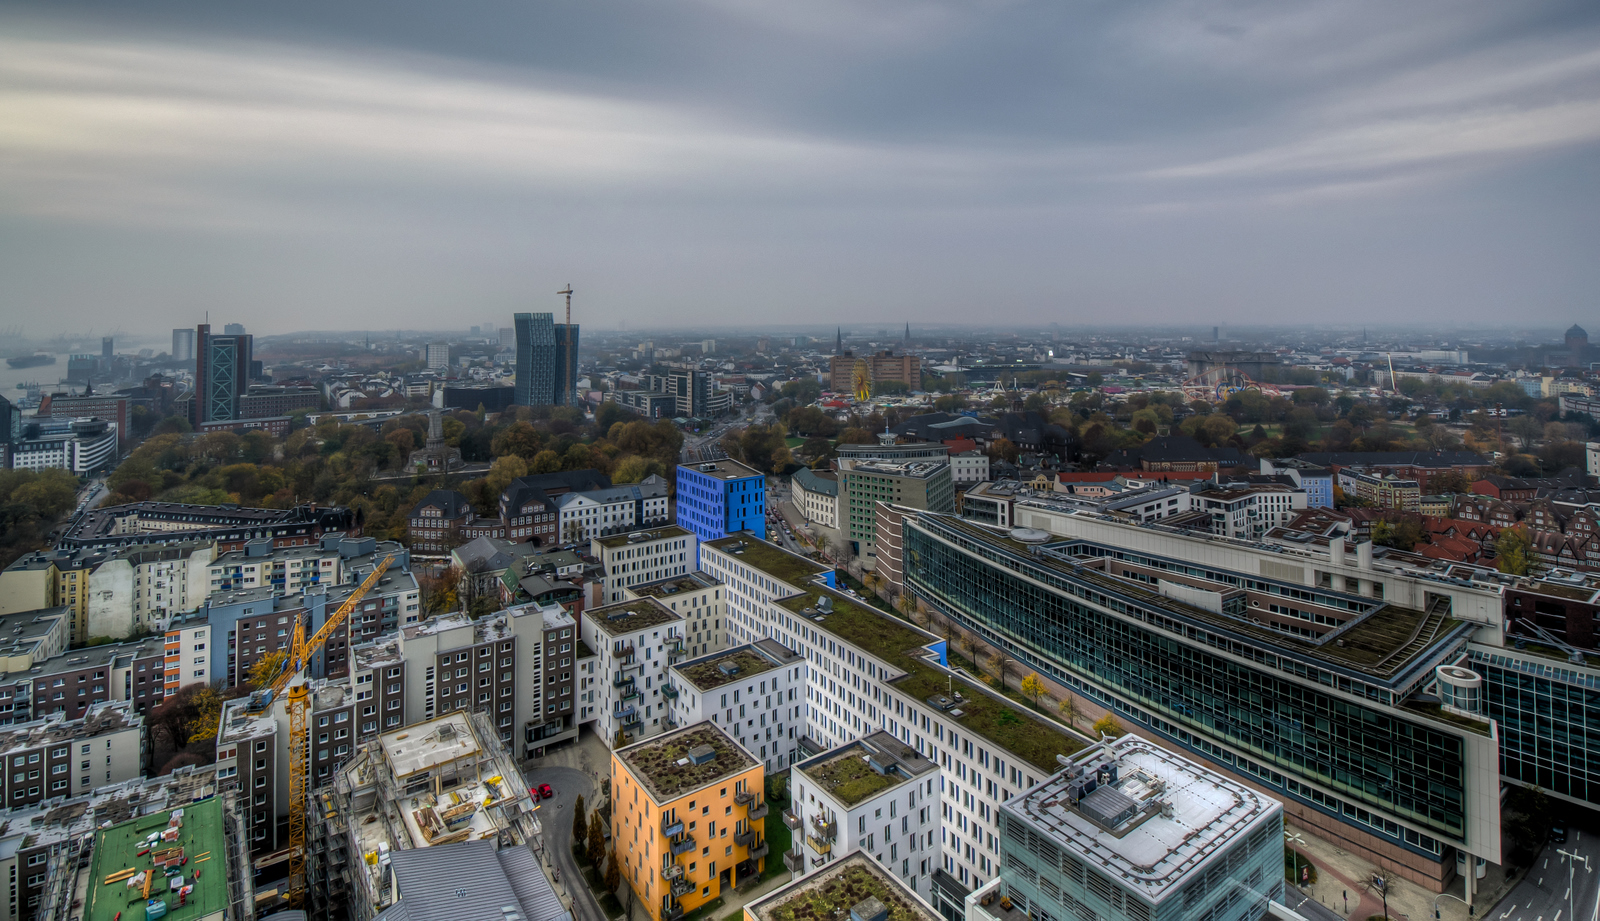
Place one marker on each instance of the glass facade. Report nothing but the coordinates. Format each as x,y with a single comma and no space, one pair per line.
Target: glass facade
1155,659
1549,714
536,358
1050,882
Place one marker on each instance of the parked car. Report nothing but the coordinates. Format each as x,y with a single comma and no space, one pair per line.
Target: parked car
545,792
1558,833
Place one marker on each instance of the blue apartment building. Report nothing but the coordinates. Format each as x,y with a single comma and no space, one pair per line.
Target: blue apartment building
718,498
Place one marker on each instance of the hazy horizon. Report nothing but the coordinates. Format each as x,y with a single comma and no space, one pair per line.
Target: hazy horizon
725,162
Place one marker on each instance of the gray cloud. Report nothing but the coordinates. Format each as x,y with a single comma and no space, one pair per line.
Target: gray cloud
732,161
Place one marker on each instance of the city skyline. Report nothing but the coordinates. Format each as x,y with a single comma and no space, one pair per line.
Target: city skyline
717,162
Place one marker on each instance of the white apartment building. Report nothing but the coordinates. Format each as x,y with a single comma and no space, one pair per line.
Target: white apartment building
1249,511
635,642
756,572
289,570
698,598
643,556
969,467
869,672
755,693
141,587
876,795
583,516
816,496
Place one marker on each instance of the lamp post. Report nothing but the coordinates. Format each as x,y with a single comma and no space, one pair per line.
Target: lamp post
1572,866
1293,838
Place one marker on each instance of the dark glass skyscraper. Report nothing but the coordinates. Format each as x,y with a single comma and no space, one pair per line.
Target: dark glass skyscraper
543,378
221,374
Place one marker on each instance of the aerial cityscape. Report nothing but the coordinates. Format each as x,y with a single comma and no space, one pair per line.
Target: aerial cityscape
710,461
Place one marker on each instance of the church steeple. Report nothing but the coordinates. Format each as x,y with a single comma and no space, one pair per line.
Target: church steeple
838,340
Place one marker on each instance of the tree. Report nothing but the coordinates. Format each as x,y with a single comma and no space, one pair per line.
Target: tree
202,727
580,825
632,469
597,839
266,668
505,468
1004,449
1069,709
442,592
1107,726
546,461
613,872
1513,551
1033,686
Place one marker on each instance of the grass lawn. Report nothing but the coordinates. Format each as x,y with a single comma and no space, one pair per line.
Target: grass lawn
794,442
867,595
779,839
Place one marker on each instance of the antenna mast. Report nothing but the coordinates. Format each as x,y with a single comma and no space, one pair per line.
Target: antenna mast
570,369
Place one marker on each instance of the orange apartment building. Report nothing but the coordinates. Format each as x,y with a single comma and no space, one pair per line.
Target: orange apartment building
687,818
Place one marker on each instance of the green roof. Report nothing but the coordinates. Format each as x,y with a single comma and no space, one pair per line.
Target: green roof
769,558
621,540
848,776
664,767
707,673
117,848
628,616
902,646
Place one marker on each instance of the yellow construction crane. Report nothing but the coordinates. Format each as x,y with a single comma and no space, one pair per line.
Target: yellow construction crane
300,652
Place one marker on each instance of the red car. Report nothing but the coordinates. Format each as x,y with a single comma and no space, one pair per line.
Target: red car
543,791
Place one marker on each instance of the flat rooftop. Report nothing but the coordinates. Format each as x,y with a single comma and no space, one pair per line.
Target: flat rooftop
641,536
664,767
423,747
850,773
830,893
720,668
675,585
630,616
769,558
1007,724
199,842
1122,826
725,469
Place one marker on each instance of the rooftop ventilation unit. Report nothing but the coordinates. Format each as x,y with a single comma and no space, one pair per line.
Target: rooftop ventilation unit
701,754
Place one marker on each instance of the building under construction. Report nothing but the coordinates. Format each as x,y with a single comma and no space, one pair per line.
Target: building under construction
441,783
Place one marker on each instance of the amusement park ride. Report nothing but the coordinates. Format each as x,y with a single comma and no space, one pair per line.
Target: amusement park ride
1219,383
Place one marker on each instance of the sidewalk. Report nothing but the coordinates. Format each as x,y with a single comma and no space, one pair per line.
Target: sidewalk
1341,874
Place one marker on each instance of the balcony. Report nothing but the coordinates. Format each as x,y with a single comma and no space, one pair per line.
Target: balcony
744,838
743,797
671,872
794,860
790,819
667,722
622,650
681,887
619,679
758,811
824,830
682,847
669,692
671,827
760,850
628,691
623,713
819,845
672,913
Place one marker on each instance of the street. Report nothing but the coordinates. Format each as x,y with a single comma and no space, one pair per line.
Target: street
555,815
1544,895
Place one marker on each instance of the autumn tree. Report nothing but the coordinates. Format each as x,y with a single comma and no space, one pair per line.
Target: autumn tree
597,839
580,824
1069,709
266,668
1033,686
613,873
1513,551
202,725
1107,726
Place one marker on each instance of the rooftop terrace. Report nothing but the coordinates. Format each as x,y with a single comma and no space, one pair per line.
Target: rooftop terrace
829,894
630,616
769,558
664,766
198,844
848,774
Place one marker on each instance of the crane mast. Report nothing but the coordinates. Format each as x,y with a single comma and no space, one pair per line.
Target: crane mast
301,650
572,395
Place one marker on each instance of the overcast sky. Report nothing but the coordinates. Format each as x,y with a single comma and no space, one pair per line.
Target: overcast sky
410,163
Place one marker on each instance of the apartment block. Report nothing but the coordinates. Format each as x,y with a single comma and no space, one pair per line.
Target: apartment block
639,557
54,757
755,572
755,693
855,886
698,598
635,642
875,795
687,818
1247,511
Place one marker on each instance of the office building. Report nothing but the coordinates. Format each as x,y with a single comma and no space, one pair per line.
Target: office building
876,795
233,329
1316,480
1211,644
1129,831
1246,510
108,349
968,467
698,599
82,446
221,374
754,693
854,886
816,495
914,476
437,356
880,367
691,390
722,497
10,430
81,368
491,398
635,642
642,557
684,821
1381,489
650,404
183,344
108,406
545,376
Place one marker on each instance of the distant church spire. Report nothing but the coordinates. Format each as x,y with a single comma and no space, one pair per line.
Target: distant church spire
907,339
838,340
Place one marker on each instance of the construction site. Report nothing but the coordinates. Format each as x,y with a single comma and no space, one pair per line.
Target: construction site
433,784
